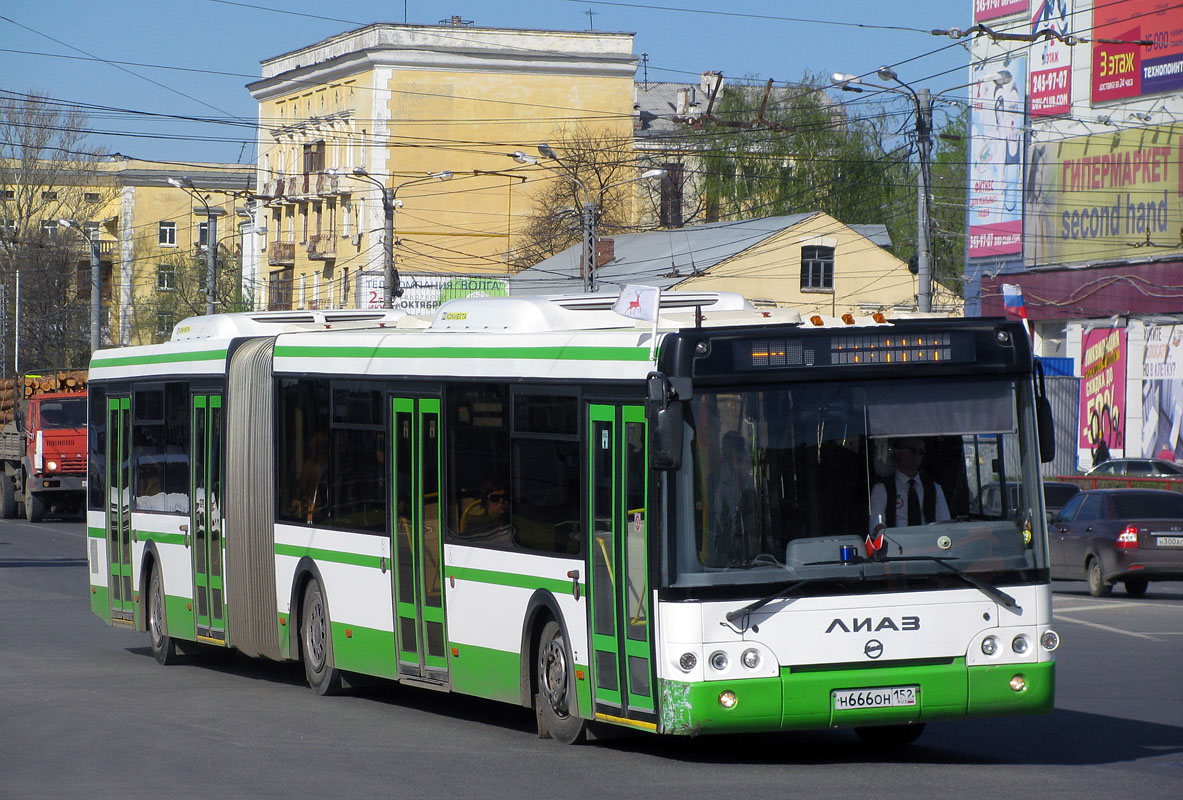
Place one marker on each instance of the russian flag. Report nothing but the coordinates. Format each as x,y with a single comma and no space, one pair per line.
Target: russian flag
1012,298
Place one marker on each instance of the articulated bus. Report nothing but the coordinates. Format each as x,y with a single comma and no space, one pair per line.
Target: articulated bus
671,527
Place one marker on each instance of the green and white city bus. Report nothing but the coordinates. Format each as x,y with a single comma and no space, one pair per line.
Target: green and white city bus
535,500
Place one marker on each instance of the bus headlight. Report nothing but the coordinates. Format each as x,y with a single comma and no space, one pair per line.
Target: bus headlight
750,658
688,661
719,661
728,699
1020,644
990,645
1050,640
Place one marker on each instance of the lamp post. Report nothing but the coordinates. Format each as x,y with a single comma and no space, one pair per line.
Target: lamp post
211,238
587,216
392,288
923,103
96,287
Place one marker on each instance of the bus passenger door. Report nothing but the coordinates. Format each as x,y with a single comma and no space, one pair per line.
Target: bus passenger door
118,524
206,518
618,585
417,574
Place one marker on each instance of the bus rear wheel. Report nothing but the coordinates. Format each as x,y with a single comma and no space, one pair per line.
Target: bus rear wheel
554,702
890,735
316,638
164,649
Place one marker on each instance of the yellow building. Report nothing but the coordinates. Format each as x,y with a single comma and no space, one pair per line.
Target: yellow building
385,107
151,236
809,262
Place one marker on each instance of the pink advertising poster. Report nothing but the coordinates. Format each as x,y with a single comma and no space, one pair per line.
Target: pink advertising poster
1102,388
993,9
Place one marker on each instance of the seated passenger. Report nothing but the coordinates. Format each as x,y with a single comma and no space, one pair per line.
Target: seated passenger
488,519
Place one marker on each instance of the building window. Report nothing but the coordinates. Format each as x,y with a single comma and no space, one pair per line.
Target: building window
48,195
817,268
91,229
166,277
671,195
167,234
345,288
279,290
49,228
10,194
314,157
90,197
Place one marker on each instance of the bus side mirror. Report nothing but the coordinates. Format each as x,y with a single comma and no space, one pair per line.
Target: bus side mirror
1047,429
1044,422
664,410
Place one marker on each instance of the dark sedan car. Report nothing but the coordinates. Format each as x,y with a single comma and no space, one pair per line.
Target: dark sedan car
1136,467
1109,535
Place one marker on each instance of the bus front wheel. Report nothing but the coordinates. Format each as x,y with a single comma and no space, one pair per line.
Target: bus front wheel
316,635
554,702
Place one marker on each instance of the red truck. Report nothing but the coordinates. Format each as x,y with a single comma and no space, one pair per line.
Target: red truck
43,445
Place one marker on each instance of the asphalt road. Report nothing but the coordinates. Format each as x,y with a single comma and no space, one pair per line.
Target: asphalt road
86,712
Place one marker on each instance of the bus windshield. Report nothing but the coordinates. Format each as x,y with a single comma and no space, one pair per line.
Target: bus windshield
783,483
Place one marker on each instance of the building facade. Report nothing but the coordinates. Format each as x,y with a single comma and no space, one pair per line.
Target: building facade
393,110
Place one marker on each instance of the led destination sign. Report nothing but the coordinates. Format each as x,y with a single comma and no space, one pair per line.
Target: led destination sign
878,348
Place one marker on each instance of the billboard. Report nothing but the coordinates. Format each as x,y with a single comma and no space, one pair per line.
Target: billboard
997,102
1102,388
1106,197
423,294
1162,392
1051,60
993,9
1121,69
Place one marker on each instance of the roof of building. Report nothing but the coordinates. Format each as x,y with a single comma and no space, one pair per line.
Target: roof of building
665,258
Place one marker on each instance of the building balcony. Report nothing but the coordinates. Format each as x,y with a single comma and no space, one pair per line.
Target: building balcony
281,254
328,185
322,247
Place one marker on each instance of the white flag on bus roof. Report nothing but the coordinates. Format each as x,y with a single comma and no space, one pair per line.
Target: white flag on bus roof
638,302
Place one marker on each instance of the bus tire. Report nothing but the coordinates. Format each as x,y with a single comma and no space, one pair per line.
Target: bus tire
1096,579
7,497
164,649
316,642
554,702
34,505
890,735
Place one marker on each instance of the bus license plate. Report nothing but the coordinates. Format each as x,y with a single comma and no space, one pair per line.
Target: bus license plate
884,697
1170,541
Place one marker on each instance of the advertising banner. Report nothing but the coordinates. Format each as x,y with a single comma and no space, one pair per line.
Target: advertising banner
423,294
1162,392
1102,388
1051,60
1107,197
997,100
993,9
1131,70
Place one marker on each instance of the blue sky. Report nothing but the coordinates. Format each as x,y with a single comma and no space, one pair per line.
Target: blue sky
194,58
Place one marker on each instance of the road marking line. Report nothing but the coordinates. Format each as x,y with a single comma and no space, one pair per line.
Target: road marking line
1095,606
1109,628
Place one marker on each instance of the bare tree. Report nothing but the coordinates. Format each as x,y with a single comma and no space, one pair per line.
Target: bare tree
48,173
179,292
599,159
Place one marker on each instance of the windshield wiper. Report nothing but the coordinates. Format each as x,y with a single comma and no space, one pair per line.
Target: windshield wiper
732,616
992,592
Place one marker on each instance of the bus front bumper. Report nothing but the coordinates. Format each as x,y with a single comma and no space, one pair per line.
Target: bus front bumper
804,698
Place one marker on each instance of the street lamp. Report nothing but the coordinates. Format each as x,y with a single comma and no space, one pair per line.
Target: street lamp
96,287
393,288
587,217
923,102
211,238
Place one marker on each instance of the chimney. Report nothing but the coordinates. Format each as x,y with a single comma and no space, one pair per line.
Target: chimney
682,107
707,81
605,253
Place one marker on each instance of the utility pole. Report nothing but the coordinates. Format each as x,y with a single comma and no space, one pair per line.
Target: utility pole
923,252
96,287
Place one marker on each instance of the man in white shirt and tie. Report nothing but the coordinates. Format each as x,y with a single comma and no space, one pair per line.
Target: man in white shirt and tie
907,497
